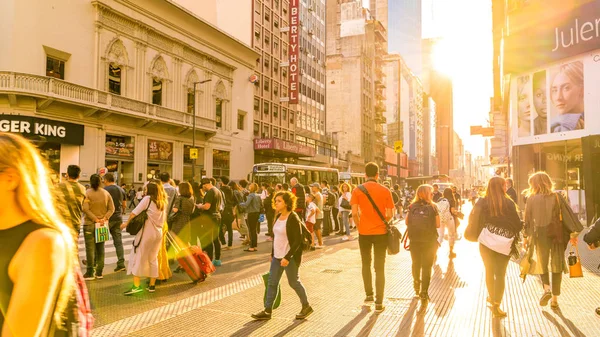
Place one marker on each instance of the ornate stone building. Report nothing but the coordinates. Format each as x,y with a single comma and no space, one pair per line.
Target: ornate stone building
127,77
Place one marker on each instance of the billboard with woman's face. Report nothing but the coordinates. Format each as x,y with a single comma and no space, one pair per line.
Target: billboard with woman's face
549,104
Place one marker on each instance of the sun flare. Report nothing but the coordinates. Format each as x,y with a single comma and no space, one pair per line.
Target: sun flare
443,58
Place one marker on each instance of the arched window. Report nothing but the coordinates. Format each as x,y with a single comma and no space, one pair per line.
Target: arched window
190,95
160,77
157,91
117,62
219,112
220,96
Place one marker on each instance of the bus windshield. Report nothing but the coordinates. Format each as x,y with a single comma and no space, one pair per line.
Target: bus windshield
271,178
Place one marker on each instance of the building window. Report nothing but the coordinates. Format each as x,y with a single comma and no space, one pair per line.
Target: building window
266,85
240,120
220,163
266,63
256,129
267,16
265,133
256,105
275,111
267,41
266,108
275,90
275,133
275,67
257,6
283,113
190,102
219,113
114,79
276,4
157,87
276,24
284,73
283,135
291,117
55,68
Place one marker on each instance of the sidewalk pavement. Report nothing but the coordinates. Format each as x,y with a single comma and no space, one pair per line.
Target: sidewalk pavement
222,305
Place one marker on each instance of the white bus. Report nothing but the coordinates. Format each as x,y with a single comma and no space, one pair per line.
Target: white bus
279,173
353,178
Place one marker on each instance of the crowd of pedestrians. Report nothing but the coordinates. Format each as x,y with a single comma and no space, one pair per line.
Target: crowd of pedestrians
41,285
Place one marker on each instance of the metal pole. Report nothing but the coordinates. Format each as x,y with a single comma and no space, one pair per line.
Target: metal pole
194,134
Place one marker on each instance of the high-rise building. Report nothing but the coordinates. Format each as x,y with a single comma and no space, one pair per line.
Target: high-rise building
439,87
355,90
405,31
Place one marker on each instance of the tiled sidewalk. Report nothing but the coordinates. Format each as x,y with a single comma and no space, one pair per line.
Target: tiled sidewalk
333,281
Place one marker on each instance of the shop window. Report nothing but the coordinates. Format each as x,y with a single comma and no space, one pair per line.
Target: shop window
55,68
157,91
219,113
191,102
256,130
241,118
114,79
220,163
256,104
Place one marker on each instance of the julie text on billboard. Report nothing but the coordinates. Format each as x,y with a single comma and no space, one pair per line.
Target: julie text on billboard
576,34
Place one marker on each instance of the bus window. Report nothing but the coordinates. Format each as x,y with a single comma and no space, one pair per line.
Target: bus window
301,177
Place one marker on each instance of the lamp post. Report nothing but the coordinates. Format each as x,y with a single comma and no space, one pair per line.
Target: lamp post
194,128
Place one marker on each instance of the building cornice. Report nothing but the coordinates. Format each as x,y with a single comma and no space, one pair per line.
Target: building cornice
142,32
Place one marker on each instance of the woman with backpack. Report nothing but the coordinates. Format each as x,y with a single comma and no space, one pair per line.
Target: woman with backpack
422,221
286,254
498,224
447,209
38,247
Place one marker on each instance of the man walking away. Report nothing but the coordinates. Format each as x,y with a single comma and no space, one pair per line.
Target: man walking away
114,222
335,211
372,231
316,191
169,189
73,195
437,195
131,196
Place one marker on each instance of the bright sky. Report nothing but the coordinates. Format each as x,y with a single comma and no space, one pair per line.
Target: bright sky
466,55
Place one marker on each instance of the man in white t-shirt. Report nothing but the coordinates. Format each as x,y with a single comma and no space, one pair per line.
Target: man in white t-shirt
311,215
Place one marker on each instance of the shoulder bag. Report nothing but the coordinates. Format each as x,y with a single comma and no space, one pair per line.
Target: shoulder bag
137,223
393,234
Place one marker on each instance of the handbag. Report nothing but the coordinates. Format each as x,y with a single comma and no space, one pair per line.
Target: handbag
496,239
137,223
277,301
345,204
574,263
101,232
393,234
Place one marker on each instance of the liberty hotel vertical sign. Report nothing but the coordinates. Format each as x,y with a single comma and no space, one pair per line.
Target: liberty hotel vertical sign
294,38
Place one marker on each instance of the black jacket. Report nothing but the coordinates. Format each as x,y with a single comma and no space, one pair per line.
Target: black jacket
509,220
513,195
294,236
298,191
593,236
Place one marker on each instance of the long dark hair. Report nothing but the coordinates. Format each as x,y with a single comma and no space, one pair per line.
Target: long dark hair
197,190
496,196
95,181
228,194
448,194
234,186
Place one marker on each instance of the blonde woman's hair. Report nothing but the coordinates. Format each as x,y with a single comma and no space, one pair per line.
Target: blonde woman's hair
36,198
157,194
540,183
423,193
253,188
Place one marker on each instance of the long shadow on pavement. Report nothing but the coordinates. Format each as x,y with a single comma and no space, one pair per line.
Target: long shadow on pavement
249,328
293,326
406,323
498,329
563,331
366,330
350,325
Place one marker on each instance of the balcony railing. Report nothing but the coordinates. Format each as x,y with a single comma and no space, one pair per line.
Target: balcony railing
56,89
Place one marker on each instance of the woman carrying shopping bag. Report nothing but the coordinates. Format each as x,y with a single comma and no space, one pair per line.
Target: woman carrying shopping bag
499,225
549,226
286,255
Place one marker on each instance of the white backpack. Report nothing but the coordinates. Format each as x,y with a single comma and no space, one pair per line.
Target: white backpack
444,209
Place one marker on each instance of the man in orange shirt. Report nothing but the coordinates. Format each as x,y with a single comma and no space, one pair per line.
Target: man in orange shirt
372,231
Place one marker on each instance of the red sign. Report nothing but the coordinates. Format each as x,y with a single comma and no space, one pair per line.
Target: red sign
293,51
282,145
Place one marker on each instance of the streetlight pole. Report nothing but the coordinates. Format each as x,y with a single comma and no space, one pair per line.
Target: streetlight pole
194,128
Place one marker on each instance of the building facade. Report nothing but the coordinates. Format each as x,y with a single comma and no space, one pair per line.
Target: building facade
551,128
405,31
110,84
356,89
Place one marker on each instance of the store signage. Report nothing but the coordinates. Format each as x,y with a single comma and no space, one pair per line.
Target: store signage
551,38
42,129
282,145
293,51
119,146
159,150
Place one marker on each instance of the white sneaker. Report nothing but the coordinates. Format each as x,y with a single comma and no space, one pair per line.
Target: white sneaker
345,238
319,247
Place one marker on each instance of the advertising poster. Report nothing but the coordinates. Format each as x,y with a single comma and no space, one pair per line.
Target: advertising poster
159,150
119,146
557,102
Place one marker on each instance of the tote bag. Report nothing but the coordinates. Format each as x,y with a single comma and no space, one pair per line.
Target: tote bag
498,243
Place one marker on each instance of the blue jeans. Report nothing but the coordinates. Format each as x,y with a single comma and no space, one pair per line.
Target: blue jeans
291,271
115,232
346,221
94,252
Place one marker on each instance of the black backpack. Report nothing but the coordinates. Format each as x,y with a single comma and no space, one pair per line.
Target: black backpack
421,223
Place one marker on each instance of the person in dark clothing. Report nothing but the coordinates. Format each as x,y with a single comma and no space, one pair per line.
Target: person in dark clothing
300,192
116,219
496,213
269,211
437,195
228,215
422,222
335,211
210,220
510,190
